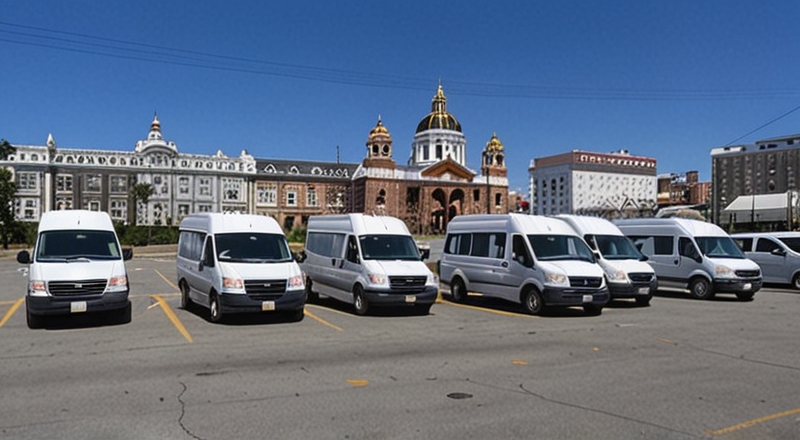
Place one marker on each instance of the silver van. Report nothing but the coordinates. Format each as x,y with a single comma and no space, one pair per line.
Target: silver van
232,263
366,261
693,255
538,262
777,253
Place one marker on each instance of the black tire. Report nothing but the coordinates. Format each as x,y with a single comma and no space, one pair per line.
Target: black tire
593,310
360,302
311,296
796,281
700,288
458,291
186,301
422,310
532,301
214,308
643,301
745,296
123,315
34,321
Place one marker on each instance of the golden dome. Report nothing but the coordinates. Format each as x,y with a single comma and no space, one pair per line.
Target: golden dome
494,145
439,118
379,134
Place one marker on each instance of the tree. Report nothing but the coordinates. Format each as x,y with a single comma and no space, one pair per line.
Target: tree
141,195
8,190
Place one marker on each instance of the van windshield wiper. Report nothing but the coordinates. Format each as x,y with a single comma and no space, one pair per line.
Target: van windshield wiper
77,258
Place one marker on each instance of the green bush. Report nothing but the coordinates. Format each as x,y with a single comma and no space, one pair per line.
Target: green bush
297,235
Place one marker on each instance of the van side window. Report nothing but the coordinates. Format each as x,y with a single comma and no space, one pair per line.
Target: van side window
492,245
745,244
653,245
519,252
766,245
352,250
190,245
208,254
325,244
686,248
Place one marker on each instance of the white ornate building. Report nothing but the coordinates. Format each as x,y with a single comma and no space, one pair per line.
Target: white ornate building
602,184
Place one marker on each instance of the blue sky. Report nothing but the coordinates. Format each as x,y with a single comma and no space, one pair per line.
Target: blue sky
295,79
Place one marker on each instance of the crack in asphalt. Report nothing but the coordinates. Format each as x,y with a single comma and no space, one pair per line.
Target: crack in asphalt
183,413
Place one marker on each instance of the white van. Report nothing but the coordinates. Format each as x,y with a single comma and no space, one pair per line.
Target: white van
234,263
693,255
627,274
77,266
533,260
777,253
366,260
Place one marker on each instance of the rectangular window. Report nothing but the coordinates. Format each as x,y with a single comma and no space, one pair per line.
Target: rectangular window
119,184
93,183
64,183
231,190
203,208
291,198
183,185
183,210
27,182
119,209
204,186
311,197
267,194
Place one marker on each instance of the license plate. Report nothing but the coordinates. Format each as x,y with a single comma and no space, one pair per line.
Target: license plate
267,306
411,298
77,307
644,290
587,298
747,286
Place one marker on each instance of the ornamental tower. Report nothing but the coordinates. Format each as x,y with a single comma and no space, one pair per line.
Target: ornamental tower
379,148
438,136
493,163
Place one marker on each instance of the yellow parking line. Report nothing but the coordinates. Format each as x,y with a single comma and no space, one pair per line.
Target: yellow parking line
322,321
484,309
750,423
167,281
11,311
172,317
329,310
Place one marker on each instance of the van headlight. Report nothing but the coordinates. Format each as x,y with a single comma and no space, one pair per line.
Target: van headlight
724,272
378,279
232,283
117,284
432,280
556,279
37,288
617,276
295,282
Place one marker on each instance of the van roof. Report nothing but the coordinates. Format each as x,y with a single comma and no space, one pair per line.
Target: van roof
523,223
692,227
75,219
358,224
217,222
584,224
777,234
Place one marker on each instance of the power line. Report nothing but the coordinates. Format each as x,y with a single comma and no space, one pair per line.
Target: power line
764,125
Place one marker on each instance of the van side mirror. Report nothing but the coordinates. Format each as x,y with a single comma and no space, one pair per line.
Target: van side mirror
425,254
596,255
644,258
779,252
299,256
127,253
24,257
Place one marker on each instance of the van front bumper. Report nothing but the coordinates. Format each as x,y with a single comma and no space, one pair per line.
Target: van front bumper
397,298
61,305
633,290
570,296
737,285
242,303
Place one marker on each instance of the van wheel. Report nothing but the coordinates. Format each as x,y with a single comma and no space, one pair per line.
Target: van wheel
186,302
123,315
360,300
796,281
296,315
458,291
34,321
532,302
593,310
643,301
700,288
214,308
745,296
311,296
421,310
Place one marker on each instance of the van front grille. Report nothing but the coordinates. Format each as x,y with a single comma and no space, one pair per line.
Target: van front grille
78,287
747,273
265,289
407,283
641,277
585,281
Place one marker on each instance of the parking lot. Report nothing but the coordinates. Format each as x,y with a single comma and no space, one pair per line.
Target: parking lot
680,368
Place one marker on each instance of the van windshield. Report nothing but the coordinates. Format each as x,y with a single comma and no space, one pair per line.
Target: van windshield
389,247
560,247
616,247
719,247
77,245
792,243
252,247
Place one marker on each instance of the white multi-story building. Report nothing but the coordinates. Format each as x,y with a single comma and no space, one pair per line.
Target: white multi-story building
603,184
